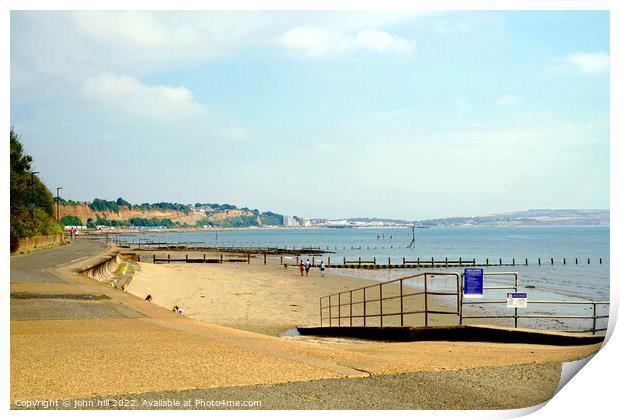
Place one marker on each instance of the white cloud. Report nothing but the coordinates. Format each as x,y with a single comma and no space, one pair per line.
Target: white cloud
590,63
507,99
233,133
314,42
127,96
135,29
69,47
52,48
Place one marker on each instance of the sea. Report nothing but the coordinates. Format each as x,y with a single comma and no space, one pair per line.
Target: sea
570,277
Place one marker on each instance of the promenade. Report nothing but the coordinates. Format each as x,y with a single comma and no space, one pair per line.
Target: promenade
78,340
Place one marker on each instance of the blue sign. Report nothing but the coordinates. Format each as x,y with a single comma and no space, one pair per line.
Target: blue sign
516,300
472,282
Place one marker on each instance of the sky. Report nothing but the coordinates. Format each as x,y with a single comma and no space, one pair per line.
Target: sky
318,114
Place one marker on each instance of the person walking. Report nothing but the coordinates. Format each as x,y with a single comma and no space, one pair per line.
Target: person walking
307,266
322,268
301,268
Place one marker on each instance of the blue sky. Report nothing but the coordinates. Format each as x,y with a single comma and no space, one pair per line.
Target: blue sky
323,114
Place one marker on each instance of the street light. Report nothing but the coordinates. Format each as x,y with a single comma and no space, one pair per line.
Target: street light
58,203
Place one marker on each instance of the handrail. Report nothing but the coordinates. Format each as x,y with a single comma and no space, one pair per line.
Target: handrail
335,310
331,316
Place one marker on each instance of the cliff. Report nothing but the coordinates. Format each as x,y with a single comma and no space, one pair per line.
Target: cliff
84,212
228,217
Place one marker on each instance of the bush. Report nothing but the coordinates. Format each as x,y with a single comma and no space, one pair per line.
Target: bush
121,202
104,205
139,221
272,219
70,221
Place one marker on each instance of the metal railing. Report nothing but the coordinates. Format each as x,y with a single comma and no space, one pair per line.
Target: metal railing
594,316
344,308
331,306
514,288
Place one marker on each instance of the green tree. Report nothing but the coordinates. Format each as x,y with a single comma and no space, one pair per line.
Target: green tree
31,203
70,221
121,202
104,205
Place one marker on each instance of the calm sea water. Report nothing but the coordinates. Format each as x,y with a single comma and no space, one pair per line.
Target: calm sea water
572,280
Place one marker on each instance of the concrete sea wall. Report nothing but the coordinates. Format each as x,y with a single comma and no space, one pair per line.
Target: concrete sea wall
104,270
34,242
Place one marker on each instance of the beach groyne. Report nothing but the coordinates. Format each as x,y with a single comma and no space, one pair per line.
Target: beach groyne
363,263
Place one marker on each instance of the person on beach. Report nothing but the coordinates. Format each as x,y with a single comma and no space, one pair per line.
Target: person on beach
307,266
301,268
148,298
322,268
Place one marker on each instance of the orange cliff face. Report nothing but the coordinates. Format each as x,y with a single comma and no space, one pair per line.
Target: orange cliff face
228,214
84,212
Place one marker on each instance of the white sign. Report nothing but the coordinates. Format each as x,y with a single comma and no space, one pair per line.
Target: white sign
516,300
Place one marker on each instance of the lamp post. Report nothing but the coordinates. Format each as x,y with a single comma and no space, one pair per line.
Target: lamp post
58,203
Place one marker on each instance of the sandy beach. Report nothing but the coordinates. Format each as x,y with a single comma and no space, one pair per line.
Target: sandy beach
121,346
268,298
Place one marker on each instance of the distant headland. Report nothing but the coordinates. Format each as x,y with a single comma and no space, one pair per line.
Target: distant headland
101,213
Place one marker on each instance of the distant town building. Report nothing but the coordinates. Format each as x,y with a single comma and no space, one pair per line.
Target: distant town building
290,221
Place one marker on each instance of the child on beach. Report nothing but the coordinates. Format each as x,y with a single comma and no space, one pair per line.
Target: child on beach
301,268
307,265
322,268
